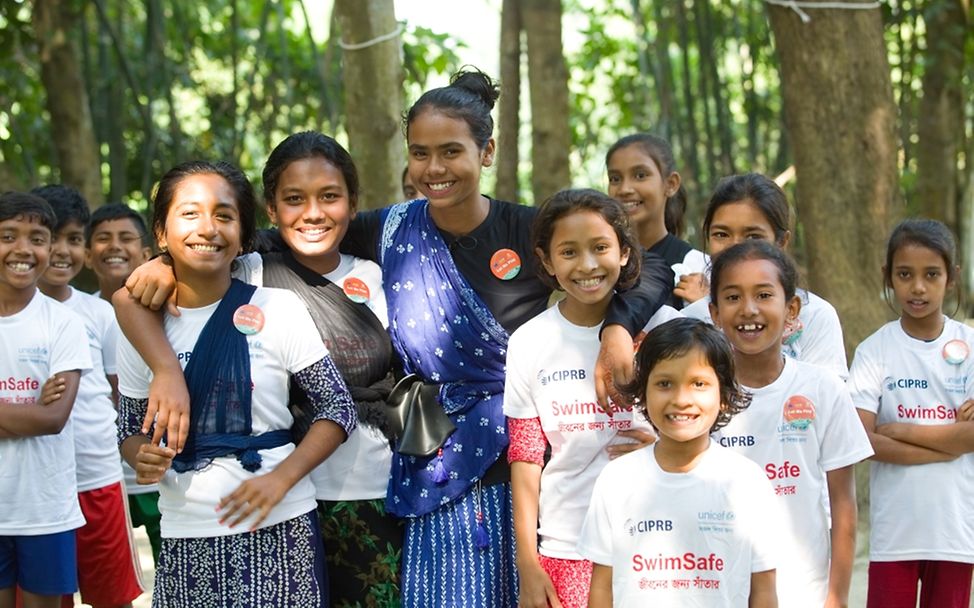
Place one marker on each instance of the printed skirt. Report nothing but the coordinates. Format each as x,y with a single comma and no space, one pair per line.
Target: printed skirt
445,565
364,550
280,566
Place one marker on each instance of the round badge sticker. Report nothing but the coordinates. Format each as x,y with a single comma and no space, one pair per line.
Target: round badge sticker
799,412
956,352
356,290
505,264
248,319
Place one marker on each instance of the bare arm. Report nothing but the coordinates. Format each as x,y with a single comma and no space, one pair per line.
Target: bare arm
168,395
842,500
600,593
954,439
537,590
763,592
32,420
893,451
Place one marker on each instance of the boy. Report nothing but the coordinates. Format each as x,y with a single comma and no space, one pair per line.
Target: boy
108,568
115,242
115,245
39,509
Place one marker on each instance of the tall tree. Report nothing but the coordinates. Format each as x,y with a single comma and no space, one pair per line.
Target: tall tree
373,77
509,119
550,133
840,117
67,99
940,122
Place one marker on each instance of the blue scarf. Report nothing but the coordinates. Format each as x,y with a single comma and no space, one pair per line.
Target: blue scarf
444,332
220,392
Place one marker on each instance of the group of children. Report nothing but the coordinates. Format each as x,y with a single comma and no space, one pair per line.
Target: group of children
721,474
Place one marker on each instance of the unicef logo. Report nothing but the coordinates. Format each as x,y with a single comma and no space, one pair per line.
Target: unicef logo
889,382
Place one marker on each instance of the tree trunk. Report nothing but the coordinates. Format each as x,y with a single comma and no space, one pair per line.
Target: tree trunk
691,132
940,121
551,134
509,120
67,100
373,98
840,117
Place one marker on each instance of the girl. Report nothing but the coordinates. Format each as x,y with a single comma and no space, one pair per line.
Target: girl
643,177
801,426
310,189
240,345
699,527
911,381
583,240
752,206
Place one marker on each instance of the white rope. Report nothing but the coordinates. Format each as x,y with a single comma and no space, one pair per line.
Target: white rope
797,6
364,45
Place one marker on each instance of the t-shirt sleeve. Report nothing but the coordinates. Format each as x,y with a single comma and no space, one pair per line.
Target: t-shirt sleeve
109,344
133,374
362,237
249,268
865,378
822,342
69,345
518,400
766,521
633,308
843,441
301,343
595,538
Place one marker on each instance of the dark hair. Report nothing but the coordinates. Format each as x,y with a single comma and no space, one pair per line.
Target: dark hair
660,151
235,178
28,206
755,249
570,201
470,97
762,191
676,338
112,212
66,202
931,234
309,144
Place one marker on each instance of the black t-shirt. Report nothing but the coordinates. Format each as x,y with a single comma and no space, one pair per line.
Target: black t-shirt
514,301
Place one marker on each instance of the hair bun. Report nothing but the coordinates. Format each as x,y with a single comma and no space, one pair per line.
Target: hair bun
478,83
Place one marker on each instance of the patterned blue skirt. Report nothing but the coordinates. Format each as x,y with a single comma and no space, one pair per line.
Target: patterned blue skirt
442,565
281,566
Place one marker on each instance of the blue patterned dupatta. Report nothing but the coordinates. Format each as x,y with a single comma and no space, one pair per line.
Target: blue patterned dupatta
444,332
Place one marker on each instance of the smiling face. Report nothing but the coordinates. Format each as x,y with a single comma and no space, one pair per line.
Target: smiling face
737,222
202,228
752,308
67,256
683,398
25,249
115,250
312,209
445,161
586,259
920,279
636,181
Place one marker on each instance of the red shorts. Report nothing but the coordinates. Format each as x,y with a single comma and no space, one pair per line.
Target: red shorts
109,573
942,584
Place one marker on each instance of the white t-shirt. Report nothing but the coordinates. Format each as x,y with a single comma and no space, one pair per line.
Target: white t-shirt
288,343
359,468
38,484
818,340
682,539
924,511
93,416
797,428
550,364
